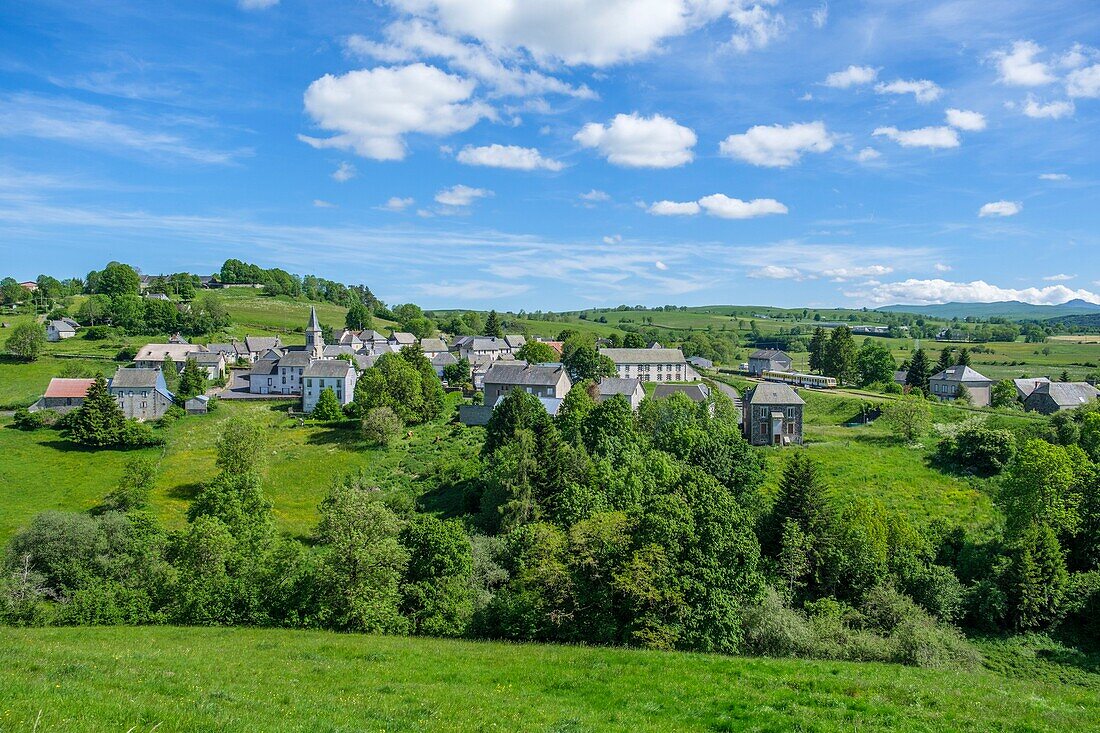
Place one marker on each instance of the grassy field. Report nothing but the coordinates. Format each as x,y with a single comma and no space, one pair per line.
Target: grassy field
171,679
40,470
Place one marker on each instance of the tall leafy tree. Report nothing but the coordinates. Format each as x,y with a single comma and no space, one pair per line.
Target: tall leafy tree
328,406
875,363
584,362
358,317
817,350
437,592
27,341
536,352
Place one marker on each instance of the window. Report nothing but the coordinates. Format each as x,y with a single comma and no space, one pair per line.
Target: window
763,428
791,413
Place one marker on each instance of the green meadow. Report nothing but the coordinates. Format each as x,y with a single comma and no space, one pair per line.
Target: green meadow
202,679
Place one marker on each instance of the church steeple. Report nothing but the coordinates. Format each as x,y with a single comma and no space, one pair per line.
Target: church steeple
315,341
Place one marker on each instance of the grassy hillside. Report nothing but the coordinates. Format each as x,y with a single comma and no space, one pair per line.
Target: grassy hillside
170,679
41,471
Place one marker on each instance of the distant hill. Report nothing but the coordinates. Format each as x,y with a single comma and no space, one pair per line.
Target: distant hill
1012,309
1090,320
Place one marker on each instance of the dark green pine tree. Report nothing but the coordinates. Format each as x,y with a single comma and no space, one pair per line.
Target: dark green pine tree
192,380
817,350
1040,579
917,378
99,421
492,325
964,357
803,498
946,360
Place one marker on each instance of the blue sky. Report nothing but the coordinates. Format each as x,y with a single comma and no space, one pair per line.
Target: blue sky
554,154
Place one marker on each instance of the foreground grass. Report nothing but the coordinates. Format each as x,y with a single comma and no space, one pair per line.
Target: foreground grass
171,679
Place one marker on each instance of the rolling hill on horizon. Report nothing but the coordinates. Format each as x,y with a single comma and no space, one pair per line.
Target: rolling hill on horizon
1012,309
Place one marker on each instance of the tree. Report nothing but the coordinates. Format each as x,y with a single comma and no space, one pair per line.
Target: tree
875,364
438,597
536,352
492,325
99,421
1003,395
1038,579
192,380
947,360
584,362
27,341
1064,376
962,395
918,374
381,426
908,416
118,279
241,447
139,476
633,341
362,561
328,406
840,355
817,350
457,374
1038,489
95,308
359,317
964,357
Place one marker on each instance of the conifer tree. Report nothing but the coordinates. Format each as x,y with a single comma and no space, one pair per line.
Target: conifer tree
817,350
99,421
917,378
492,325
192,381
946,361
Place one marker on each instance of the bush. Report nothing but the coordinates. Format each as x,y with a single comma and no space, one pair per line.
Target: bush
126,353
138,435
973,447
24,419
97,333
381,426
172,415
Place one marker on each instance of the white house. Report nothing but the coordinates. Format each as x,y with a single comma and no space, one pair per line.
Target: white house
651,365
64,328
338,375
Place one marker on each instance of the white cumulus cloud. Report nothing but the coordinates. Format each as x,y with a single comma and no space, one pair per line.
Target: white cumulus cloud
724,207
674,208
868,154
777,146
396,203
1084,82
1050,110
852,76
371,110
1059,278
1053,177
460,195
633,141
507,156
963,119
1000,208
1018,67
343,173
660,265
920,292
595,195
922,90
923,137
942,267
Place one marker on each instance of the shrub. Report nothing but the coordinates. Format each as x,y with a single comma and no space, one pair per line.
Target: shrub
97,333
126,353
171,415
381,426
973,447
24,419
136,434
328,407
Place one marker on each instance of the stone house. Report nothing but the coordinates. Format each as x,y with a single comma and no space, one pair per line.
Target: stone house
1053,397
153,356
338,375
631,389
63,395
945,385
1026,385
540,380
772,415
769,360
141,393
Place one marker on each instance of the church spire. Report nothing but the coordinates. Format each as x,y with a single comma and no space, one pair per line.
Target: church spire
315,340
313,324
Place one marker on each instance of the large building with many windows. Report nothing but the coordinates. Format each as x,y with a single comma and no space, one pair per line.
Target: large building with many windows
651,365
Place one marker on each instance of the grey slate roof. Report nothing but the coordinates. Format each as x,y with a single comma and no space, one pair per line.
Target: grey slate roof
769,354
614,385
264,368
313,324
521,373
63,325
135,379
403,338
443,359
1025,386
258,344
960,374
644,356
1068,394
773,393
205,357
432,345
489,343
515,340
331,368
295,359
697,392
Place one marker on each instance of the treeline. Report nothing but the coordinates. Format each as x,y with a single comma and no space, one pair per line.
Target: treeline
276,281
